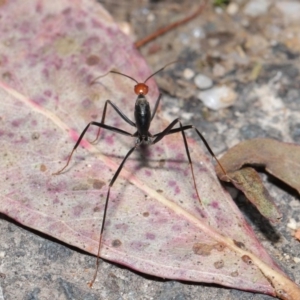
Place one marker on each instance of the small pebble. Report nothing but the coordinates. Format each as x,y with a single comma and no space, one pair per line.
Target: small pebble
218,10
294,203
188,73
218,97
187,116
218,70
232,9
290,9
292,224
213,42
296,260
199,33
175,110
150,17
126,28
255,8
203,82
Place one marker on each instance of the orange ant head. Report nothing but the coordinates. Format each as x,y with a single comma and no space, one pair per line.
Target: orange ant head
141,89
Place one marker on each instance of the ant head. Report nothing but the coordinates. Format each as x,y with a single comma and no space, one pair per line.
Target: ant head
141,89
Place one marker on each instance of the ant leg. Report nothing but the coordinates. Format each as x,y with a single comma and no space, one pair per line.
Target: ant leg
156,106
209,149
190,160
121,114
168,131
203,140
105,211
111,128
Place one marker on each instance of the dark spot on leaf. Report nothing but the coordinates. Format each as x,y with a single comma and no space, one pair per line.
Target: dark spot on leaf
172,183
247,259
215,204
234,274
43,168
86,103
282,294
16,123
94,116
219,264
219,246
92,60
146,214
35,136
96,209
48,93
159,191
34,123
239,244
148,173
40,100
116,243
6,75
150,236
162,162
80,25
202,249
80,187
98,184
77,210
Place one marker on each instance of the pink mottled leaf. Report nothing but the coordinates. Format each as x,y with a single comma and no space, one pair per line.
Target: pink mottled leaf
155,223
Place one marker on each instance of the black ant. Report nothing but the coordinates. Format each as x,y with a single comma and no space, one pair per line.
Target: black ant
143,118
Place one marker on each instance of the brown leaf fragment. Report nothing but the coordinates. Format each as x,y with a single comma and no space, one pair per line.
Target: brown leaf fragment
297,234
280,159
249,182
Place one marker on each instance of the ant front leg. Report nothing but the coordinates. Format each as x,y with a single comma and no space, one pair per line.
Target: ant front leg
100,125
120,113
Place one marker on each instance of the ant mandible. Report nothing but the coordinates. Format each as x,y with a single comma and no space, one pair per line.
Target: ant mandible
143,118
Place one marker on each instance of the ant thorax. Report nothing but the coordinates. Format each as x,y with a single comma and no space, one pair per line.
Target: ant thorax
142,115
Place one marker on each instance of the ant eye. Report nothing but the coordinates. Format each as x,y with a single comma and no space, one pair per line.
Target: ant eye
141,89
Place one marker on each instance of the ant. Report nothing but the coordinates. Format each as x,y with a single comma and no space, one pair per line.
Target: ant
143,118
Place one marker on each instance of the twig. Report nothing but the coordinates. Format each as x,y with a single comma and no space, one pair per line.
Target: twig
163,30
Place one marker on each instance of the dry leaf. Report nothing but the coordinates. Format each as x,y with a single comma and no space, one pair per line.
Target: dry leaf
280,159
248,181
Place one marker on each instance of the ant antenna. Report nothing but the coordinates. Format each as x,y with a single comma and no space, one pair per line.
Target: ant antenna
170,63
141,88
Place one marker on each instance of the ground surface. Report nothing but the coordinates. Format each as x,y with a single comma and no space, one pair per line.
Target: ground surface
255,55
